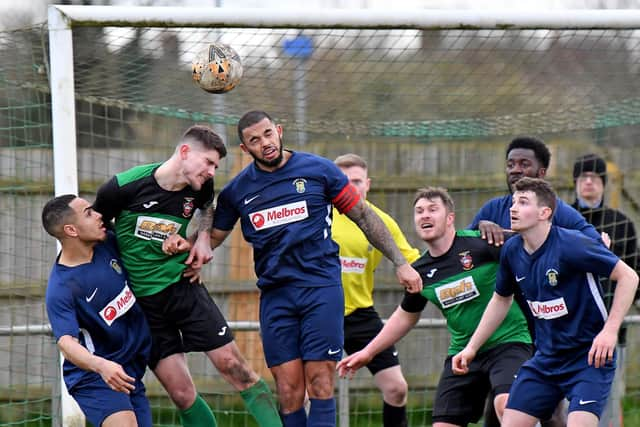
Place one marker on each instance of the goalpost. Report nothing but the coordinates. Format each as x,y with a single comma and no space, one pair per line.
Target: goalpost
427,96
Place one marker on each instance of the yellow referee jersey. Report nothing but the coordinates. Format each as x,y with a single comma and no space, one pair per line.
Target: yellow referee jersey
359,258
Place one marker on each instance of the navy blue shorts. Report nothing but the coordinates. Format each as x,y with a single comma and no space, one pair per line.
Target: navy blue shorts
302,323
98,401
543,381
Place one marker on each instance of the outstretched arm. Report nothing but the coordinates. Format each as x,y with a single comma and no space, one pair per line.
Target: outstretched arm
112,373
398,325
493,316
380,237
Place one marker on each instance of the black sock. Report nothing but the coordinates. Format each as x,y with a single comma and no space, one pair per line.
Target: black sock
394,416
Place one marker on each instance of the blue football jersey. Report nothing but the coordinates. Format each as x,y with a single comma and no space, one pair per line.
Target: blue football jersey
559,282
497,210
93,302
286,217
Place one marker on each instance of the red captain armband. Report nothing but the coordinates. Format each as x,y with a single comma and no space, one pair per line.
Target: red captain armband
346,199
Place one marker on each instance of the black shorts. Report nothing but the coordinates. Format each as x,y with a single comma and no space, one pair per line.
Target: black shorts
183,318
460,399
360,327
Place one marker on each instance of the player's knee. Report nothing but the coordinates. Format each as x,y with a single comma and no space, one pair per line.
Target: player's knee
500,403
183,395
394,392
320,386
290,395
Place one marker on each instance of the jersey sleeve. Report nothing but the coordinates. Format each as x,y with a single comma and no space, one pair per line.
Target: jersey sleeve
589,255
505,281
483,214
61,311
109,200
226,215
206,195
413,303
342,194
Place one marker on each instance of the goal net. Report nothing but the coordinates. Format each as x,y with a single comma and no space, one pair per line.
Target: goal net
426,97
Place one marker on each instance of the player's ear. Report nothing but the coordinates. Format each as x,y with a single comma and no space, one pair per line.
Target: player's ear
545,213
451,218
542,172
183,150
279,130
243,147
70,230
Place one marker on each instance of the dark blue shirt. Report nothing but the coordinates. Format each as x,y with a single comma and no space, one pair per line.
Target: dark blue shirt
497,210
93,303
286,216
559,282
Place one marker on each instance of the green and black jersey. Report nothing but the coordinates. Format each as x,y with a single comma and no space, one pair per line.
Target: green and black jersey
461,283
145,214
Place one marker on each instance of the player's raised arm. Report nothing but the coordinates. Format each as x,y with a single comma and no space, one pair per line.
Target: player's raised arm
380,237
493,316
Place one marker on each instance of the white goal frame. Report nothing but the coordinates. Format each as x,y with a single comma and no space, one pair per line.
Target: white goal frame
62,20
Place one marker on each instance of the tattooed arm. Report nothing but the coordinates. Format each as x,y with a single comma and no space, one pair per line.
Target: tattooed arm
380,237
201,252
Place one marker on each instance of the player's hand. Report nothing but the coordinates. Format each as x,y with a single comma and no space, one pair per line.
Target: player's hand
348,366
201,252
604,344
606,239
409,278
461,361
175,244
193,274
115,377
491,232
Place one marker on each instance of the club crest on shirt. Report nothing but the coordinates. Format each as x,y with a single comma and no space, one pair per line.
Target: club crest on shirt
466,260
552,276
187,207
299,183
116,267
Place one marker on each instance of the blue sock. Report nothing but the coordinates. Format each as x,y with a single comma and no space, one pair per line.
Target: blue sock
322,413
295,419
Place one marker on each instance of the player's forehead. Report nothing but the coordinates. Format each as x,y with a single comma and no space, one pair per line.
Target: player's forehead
258,128
520,154
429,202
354,172
524,195
79,204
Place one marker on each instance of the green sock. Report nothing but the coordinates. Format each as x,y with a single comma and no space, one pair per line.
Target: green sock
261,404
198,415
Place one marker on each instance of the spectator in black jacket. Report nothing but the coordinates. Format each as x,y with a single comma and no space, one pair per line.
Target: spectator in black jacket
590,177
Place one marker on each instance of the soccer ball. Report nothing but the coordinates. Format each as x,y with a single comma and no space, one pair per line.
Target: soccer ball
217,69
